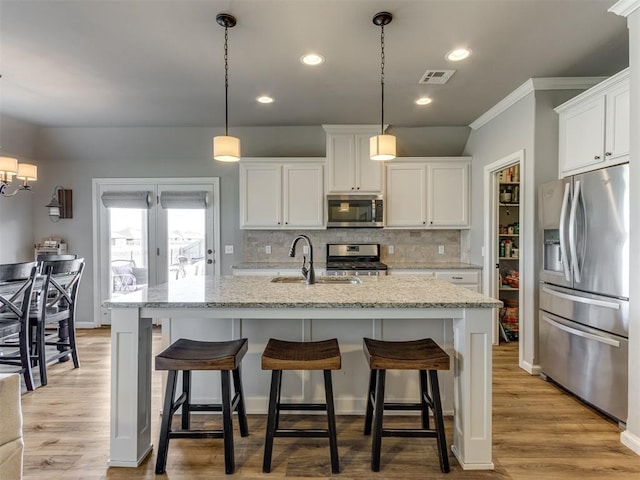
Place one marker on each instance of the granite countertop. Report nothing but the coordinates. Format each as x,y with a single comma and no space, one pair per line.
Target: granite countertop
391,265
432,266
260,292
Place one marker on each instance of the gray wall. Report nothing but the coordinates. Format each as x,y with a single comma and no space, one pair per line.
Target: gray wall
530,125
72,157
17,139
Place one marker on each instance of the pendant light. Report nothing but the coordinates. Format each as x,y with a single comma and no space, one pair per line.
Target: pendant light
226,148
382,147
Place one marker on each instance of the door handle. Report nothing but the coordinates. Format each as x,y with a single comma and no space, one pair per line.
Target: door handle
576,298
572,231
580,333
563,245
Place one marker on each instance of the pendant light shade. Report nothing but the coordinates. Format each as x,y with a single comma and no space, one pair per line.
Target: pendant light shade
225,147
27,172
383,146
8,167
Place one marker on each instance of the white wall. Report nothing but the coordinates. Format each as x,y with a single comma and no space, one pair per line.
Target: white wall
17,139
631,437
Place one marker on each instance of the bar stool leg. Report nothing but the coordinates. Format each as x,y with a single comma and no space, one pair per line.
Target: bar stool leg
276,378
227,425
369,413
242,410
331,420
167,415
437,411
186,389
423,399
378,412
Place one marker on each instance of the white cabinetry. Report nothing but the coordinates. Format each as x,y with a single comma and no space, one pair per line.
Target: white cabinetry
350,170
281,193
427,193
467,278
594,127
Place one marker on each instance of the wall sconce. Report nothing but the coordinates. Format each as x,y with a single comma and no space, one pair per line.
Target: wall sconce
60,205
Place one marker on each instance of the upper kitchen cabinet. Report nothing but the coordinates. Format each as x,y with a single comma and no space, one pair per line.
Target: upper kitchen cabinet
594,127
350,170
428,193
281,193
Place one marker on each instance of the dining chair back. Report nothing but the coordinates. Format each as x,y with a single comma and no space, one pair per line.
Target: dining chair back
16,285
58,308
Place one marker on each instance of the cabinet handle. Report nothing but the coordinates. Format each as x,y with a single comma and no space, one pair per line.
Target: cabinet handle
278,223
456,278
352,188
430,223
607,154
357,188
597,157
286,223
424,223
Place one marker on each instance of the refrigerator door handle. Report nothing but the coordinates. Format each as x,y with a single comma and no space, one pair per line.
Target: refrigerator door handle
572,231
576,298
563,244
580,333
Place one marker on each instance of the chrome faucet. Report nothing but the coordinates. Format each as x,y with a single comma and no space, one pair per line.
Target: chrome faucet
308,273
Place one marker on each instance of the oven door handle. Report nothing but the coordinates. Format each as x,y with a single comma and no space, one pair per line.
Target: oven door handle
580,333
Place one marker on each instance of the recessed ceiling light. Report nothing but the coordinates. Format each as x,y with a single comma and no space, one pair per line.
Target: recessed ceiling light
423,101
458,54
264,99
312,59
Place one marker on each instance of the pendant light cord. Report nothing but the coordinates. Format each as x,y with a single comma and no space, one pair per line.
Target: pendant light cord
382,77
226,81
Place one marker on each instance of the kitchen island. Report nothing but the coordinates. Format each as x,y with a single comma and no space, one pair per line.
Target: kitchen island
219,308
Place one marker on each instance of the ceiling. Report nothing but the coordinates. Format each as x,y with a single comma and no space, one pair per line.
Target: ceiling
160,63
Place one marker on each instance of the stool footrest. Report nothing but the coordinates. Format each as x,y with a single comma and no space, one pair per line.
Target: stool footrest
402,406
409,432
196,434
309,432
302,406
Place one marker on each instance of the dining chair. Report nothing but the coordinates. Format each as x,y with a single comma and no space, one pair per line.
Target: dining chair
16,286
58,305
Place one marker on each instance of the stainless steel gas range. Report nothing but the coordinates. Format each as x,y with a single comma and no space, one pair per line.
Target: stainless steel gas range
354,259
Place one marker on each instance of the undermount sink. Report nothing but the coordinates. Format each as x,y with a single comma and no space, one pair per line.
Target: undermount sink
329,280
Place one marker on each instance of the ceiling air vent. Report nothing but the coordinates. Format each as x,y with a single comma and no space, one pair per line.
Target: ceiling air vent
436,77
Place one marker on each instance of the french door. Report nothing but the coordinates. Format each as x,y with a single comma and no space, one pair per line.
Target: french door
152,231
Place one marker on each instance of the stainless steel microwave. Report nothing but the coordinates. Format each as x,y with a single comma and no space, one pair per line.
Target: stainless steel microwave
355,211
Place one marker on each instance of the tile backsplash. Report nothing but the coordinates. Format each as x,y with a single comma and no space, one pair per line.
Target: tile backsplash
409,245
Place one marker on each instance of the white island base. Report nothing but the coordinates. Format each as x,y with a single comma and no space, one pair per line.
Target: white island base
462,326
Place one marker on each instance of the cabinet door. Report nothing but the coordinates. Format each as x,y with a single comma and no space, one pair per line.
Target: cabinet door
617,122
303,196
582,136
368,172
448,195
341,151
406,195
260,196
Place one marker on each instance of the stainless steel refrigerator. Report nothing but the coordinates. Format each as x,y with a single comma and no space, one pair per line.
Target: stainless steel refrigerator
584,286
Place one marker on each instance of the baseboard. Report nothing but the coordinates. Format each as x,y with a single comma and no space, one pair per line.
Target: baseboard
85,325
631,441
530,369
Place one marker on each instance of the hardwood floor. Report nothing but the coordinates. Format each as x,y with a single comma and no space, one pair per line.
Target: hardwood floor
540,432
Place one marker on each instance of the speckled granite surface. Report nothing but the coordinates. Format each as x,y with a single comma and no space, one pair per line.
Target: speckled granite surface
260,292
432,266
275,265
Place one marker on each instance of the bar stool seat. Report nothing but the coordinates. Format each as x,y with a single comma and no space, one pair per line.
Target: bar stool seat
187,355
423,355
282,355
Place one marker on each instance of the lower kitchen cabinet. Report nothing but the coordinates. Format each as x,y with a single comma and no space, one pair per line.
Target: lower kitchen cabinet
427,194
467,278
283,194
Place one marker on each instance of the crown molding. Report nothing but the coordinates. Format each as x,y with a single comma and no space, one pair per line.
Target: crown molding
531,85
624,8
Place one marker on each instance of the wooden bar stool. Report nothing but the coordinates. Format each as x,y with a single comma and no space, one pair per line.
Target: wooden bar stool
422,355
280,355
185,356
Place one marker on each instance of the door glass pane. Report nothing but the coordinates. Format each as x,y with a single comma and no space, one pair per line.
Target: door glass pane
186,240
128,250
